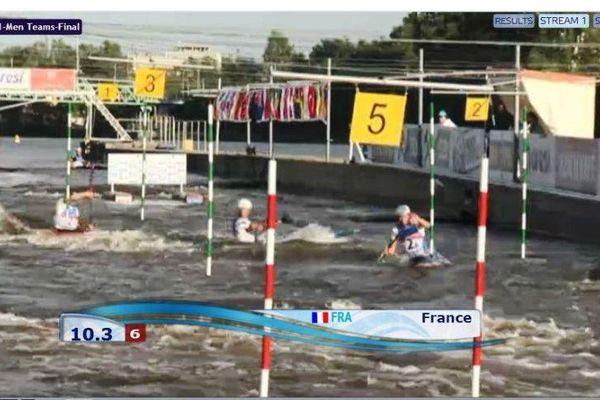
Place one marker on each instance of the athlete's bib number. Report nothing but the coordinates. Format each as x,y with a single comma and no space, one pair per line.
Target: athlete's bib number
414,246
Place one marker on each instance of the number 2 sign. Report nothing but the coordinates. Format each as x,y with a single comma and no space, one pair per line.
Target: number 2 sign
477,108
378,119
150,82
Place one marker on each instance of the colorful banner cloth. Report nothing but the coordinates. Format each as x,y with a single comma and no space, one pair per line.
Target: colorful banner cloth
291,102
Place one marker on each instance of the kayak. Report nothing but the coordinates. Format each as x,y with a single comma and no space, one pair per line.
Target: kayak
403,260
67,232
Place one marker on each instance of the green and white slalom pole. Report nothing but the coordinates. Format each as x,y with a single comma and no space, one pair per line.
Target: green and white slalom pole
432,181
144,134
210,205
524,176
69,153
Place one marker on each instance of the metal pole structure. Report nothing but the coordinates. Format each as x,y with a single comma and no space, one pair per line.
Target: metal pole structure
480,264
172,139
218,124
420,141
248,133
77,65
69,150
269,274
271,126
382,82
205,127
421,70
524,176
198,136
88,125
328,139
517,118
210,205
144,133
432,180
350,144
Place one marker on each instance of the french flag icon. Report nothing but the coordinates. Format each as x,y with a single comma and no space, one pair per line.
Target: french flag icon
320,317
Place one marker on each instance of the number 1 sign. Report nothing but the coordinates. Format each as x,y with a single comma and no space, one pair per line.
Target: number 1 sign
378,119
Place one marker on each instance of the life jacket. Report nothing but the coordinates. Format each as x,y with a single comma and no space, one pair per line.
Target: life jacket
240,228
66,218
412,238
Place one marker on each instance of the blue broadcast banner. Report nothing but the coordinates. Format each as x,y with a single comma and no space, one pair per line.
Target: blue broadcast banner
396,331
19,26
563,21
393,324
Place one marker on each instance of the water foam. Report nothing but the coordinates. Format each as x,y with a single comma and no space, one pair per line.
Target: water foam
112,241
314,233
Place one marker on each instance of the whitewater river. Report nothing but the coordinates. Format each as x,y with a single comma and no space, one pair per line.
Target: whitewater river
546,308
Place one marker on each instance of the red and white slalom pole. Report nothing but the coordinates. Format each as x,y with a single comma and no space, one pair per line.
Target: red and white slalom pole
269,274
480,264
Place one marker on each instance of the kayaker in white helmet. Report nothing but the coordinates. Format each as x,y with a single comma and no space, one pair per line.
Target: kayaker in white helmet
243,228
409,231
66,215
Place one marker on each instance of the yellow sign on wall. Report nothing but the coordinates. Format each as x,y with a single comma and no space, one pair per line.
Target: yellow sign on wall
150,82
477,108
108,91
378,119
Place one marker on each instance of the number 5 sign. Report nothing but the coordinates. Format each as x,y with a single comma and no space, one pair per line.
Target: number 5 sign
150,82
378,119
477,108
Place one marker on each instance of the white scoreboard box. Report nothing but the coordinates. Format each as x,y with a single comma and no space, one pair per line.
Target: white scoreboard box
161,169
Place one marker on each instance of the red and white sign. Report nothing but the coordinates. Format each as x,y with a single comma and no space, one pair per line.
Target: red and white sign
53,79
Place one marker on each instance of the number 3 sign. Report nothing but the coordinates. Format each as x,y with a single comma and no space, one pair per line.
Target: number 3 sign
150,82
378,119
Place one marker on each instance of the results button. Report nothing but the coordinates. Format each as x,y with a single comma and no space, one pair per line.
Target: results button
514,21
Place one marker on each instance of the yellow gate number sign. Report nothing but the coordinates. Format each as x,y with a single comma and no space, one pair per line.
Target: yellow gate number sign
477,109
378,119
108,91
150,82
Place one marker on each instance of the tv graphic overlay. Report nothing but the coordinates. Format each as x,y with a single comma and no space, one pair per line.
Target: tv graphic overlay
84,328
366,330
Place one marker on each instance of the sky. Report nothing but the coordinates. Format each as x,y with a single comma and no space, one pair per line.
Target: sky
242,33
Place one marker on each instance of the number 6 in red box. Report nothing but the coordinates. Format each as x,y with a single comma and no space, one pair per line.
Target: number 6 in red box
135,333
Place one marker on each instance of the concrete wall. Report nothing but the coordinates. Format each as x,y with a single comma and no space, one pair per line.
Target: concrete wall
550,214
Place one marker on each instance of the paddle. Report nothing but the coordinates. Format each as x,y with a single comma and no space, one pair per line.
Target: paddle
91,188
287,219
383,253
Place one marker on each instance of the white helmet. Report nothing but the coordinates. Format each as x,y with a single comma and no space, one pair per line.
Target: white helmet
244,203
402,209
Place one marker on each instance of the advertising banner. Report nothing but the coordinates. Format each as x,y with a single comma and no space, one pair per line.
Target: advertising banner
53,79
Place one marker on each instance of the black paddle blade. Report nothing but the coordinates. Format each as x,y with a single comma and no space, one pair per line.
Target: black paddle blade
286,219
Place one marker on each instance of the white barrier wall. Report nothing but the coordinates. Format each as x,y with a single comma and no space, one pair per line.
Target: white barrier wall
161,169
554,162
